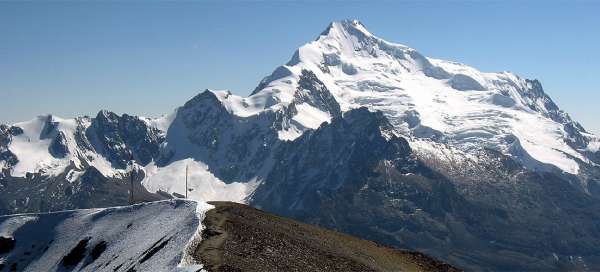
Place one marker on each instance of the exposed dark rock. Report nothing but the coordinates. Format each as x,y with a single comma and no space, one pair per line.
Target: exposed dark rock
15,131
97,250
49,129
313,92
80,136
9,158
5,136
160,244
58,147
76,254
121,138
7,244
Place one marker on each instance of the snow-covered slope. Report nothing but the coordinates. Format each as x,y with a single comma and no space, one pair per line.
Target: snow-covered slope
47,144
145,237
202,184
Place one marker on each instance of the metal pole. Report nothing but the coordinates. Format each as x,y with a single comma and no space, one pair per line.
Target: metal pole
131,185
186,181
131,164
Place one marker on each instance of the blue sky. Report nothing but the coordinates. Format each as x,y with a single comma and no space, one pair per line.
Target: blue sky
146,58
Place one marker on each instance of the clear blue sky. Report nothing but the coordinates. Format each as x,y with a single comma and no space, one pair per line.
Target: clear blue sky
75,58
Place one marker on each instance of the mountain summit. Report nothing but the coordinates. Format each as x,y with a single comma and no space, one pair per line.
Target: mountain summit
428,99
482,170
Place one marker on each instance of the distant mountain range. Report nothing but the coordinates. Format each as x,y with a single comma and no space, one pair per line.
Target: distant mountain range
354,133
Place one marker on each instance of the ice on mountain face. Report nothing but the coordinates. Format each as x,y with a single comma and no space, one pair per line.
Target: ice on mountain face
501,100
464,83
145,237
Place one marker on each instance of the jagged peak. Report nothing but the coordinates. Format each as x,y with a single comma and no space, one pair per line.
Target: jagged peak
106,114
208,100
202,96
354,33
346,26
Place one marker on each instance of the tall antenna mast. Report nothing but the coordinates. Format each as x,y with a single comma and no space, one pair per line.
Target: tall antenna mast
186,181
131,180
131,187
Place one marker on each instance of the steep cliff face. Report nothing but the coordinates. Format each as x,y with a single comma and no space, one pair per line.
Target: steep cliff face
124,138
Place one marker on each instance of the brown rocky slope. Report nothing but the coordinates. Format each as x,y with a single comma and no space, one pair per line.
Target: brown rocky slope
240,238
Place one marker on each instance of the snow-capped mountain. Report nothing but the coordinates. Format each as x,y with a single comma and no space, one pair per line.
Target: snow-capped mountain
426,154
427,98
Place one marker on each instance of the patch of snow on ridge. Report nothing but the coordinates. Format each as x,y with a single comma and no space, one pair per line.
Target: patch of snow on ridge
238,105
152,236
161,123
594,146
308,117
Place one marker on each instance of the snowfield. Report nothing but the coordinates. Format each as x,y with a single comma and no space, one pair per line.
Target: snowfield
202,185
33,145
156,236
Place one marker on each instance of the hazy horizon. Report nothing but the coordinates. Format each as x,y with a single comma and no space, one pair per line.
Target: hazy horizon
76,58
